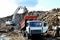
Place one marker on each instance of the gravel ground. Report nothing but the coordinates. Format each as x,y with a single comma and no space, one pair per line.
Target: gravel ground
18,36
13,36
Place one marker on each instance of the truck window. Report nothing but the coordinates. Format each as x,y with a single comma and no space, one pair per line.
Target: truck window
35,24
45,24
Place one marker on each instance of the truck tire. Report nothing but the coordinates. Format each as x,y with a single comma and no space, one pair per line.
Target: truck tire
24,34
58,32
28,36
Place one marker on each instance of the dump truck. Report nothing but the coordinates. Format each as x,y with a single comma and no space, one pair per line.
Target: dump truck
31,26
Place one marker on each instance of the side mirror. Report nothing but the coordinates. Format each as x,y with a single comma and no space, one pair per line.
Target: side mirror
45,24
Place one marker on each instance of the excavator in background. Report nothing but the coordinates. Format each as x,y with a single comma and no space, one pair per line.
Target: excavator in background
16,20
14,23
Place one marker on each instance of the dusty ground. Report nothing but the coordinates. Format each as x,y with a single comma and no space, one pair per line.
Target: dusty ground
13,36
16,35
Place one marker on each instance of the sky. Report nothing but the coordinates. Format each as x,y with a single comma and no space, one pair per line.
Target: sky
7,7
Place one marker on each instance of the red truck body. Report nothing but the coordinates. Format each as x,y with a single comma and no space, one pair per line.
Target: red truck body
22,23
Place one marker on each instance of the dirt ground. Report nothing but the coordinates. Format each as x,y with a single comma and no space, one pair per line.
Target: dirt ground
16,34
13,35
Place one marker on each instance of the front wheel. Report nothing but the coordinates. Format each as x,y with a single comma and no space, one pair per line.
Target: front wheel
24,34
28,37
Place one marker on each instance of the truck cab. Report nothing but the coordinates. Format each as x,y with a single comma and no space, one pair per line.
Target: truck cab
36,27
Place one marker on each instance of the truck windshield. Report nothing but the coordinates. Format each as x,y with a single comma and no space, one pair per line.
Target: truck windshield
35,24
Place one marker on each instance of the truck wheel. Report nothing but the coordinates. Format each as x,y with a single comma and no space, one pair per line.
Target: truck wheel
24,35
28,36
57,32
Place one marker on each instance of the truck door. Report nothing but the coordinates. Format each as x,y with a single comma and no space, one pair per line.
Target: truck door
45,27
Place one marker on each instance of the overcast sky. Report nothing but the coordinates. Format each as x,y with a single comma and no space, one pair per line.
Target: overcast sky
7,7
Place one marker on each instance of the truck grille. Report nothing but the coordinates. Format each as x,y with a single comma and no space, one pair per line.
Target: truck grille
36,31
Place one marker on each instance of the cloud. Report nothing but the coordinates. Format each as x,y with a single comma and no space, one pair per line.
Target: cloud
25,2
6,8
37,7
45,5
28,3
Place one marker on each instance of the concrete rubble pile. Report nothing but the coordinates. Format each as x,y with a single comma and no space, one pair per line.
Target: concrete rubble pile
11,36
51,17
4,28
4,37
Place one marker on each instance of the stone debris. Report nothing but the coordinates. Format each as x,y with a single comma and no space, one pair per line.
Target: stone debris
11,36
4,37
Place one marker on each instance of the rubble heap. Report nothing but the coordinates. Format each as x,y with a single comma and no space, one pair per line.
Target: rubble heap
51,17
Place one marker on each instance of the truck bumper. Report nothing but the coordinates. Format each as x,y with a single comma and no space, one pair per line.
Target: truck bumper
35,32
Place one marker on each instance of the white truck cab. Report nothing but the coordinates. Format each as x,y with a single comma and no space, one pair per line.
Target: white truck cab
36,27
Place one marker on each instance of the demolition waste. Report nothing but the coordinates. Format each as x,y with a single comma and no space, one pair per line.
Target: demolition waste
51,16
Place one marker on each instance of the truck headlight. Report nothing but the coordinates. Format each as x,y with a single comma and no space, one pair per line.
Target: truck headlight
28,29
